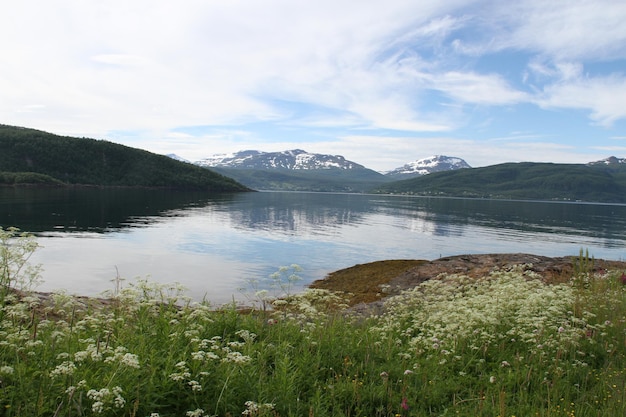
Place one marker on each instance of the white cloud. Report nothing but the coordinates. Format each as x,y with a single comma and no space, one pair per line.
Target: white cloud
562,29
146,67
130,65
604,97
469,87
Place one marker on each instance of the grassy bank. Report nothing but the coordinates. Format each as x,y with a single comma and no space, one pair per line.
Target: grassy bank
503,345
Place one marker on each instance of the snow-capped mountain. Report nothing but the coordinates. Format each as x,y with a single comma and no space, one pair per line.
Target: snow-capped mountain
611,160
178,158
428,165
295,159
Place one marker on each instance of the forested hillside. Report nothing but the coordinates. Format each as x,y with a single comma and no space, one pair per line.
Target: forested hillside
541,181
35,157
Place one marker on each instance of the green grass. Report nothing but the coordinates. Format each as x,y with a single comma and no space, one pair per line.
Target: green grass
506,344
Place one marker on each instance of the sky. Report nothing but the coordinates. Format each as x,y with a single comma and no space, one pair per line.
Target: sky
382,83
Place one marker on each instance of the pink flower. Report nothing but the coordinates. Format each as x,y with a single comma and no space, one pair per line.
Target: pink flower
404,405
623,278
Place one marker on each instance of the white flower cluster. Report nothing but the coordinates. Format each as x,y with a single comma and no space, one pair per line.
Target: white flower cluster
66,368
148,294
213,351
506,306
312,304
95,352
104,399
256,409
6,370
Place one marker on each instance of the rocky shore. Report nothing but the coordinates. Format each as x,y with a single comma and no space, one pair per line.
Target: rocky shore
369,297
364,282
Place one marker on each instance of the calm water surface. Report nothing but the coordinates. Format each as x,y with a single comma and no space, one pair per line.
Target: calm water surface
213,245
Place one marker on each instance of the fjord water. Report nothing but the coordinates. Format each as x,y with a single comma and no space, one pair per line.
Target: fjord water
214,244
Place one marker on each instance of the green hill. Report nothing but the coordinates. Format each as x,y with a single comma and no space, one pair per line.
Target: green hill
29,156
536,181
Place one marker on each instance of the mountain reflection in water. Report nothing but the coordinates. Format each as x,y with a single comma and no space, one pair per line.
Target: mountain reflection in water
213,244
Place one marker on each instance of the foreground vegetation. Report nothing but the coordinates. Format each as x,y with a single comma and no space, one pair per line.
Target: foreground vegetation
29,156
507,344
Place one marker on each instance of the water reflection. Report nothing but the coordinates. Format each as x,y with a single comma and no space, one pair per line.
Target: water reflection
106,210
212,244
313,213
99,210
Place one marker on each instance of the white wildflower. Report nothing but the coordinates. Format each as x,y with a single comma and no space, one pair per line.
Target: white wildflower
195,386
97,407
131,360
6,370
65,368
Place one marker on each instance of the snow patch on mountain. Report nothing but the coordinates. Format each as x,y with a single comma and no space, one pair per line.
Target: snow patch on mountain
178,158
295,159
611,160
428,165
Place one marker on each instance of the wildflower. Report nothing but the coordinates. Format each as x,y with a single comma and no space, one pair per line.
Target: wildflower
236,357
408,372
384,375
623,278
195,386
66,368
97,407
198,412
253,409
6,370
105,396
505,364
404,404
131,360
492,379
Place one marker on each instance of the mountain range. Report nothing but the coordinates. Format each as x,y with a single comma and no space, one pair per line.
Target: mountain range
298,170
295,159
599,181
29,156
439,175
298,159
